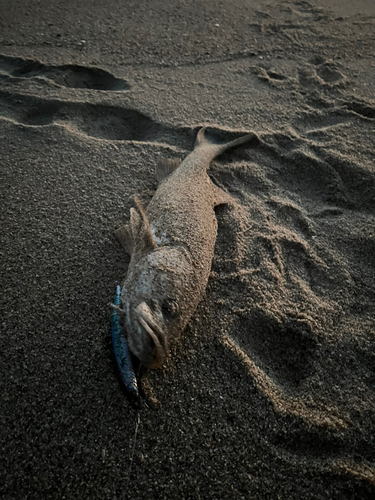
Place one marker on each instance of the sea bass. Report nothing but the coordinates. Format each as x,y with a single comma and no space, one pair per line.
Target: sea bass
171,244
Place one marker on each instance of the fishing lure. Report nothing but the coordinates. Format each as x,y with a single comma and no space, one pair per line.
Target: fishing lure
121,351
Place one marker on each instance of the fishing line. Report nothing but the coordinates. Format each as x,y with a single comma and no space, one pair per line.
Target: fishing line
138,421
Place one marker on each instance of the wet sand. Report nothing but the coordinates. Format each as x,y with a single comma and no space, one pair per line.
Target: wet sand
270,391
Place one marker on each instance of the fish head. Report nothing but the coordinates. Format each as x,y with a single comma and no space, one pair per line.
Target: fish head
154,298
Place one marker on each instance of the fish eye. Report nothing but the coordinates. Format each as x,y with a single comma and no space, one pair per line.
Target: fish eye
170,309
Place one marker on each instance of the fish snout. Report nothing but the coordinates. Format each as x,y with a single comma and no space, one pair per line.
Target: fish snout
154,345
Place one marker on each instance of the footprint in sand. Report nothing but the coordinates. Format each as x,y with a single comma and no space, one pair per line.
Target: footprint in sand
69,75
94,120
360,108
282,348
272,77
322,75
328,73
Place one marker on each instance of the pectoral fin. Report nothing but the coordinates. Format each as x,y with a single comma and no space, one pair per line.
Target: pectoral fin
135,223
165,167
125,238
130,234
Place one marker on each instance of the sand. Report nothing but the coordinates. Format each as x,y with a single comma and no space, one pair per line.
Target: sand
270,391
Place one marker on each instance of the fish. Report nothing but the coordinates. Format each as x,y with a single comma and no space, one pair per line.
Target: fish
171,244
121,351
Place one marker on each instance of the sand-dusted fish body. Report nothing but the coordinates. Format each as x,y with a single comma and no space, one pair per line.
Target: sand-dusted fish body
171,247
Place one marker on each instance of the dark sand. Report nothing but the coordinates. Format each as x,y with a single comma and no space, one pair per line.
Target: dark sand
270,391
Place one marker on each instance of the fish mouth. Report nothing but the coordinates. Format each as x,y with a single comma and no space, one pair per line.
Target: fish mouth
158,349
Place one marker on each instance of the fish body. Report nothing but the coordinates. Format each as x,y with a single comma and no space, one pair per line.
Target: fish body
171,246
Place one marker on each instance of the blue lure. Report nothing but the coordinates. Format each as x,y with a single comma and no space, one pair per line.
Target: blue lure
122,352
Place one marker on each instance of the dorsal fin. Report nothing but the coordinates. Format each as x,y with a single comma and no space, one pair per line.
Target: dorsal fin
221,197
165,167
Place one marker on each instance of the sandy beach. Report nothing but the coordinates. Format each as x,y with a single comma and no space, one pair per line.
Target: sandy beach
270,391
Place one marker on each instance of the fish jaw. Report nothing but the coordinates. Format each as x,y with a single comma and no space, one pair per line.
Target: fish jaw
147,338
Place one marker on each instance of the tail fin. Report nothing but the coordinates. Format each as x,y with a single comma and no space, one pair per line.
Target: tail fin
219,147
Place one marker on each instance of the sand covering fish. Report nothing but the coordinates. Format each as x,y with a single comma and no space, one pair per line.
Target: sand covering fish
171,246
